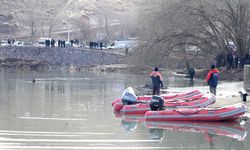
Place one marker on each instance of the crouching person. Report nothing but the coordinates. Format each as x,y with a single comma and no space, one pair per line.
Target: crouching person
128,96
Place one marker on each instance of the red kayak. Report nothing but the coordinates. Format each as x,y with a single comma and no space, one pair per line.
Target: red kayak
232,129
231,112
175,97
142,108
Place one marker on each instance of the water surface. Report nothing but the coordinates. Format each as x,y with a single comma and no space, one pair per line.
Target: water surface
64,111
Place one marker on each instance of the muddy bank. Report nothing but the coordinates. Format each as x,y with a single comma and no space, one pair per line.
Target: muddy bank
225,74
13,63
101,68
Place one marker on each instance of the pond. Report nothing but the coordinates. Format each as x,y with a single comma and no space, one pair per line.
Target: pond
72,110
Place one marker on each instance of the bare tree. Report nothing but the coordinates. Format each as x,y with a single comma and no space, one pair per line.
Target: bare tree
28,18
83,23
105,11
169,25
156,29
221,22
51,12
39,17
115,17
8,11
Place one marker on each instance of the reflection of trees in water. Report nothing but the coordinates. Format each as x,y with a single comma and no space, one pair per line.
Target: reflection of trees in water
52,86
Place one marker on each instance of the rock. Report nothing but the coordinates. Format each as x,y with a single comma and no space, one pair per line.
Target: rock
40,66
24,64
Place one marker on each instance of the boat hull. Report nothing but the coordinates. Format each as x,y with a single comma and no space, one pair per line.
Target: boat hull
227,113
171,98
204,101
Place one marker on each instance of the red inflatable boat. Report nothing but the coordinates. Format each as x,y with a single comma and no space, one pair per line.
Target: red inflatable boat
142,108
183,95
170,97
232,129
231,112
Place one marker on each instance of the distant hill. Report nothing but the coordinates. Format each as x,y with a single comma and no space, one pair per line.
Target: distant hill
16,15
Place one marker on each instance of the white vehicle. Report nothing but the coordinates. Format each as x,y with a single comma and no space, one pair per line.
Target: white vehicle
18,43
3,43
122,44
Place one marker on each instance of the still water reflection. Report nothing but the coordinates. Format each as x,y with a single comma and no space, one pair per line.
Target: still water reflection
63,110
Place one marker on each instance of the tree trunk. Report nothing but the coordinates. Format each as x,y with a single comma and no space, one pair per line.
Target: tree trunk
184,55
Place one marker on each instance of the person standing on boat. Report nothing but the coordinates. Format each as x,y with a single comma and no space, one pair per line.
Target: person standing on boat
156,81
212,79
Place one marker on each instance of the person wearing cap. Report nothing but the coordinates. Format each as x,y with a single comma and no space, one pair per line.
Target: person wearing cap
156,81
212,79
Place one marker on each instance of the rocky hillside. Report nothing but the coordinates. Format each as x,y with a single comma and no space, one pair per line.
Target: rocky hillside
8,11
20,17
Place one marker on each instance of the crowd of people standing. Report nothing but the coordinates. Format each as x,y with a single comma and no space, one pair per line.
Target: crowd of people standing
52,43
232,60
11,41
96,45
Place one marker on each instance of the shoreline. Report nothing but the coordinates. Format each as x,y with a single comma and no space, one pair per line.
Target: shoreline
225,74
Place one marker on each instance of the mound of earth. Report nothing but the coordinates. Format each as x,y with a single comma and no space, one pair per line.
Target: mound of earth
24,64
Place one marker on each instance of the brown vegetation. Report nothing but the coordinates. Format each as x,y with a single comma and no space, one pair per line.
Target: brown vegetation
225,74
86,20
181,26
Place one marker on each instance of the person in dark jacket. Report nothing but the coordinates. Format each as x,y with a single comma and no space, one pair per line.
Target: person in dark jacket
156,81
212,79
191,73
229,61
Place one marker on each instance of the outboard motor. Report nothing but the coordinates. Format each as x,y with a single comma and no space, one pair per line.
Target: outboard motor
129,97
243,94
156,103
